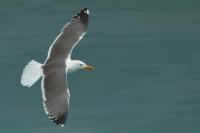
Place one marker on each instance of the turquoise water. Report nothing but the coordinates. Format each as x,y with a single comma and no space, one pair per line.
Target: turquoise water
146,56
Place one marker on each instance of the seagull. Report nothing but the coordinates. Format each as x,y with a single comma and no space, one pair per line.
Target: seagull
55,91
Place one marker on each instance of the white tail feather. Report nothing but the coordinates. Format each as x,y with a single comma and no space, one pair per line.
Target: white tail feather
31,73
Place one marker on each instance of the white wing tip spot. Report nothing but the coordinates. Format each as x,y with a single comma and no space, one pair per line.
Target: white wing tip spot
87,11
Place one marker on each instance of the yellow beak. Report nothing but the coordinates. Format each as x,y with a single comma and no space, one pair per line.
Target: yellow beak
88,68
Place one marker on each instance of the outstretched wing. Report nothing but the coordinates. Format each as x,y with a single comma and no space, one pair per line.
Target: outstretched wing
56,96
70,35
54,87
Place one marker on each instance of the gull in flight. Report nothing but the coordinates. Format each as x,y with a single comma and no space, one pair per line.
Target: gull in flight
58,64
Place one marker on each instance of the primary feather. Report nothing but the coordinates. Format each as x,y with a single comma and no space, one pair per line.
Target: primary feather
54,82
54,86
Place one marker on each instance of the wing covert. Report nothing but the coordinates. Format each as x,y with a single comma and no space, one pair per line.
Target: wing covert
70,35
56,96
54,83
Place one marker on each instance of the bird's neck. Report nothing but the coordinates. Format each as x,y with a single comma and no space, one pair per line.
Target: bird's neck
71,66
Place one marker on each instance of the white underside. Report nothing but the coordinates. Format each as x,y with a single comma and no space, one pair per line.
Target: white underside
33,72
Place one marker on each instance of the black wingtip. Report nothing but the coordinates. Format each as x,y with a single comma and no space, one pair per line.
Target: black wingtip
60,120
85,11
83,15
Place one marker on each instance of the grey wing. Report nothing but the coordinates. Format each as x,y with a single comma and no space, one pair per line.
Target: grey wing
70,35
54,86
56,96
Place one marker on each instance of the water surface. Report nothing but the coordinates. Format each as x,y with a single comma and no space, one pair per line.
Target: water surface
147,60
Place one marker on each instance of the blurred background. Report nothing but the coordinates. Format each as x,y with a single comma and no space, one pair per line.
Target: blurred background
146,55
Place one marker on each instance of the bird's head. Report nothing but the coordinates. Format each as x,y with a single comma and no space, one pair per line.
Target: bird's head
79,65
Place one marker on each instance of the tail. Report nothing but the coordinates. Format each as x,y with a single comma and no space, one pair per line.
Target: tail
31,73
